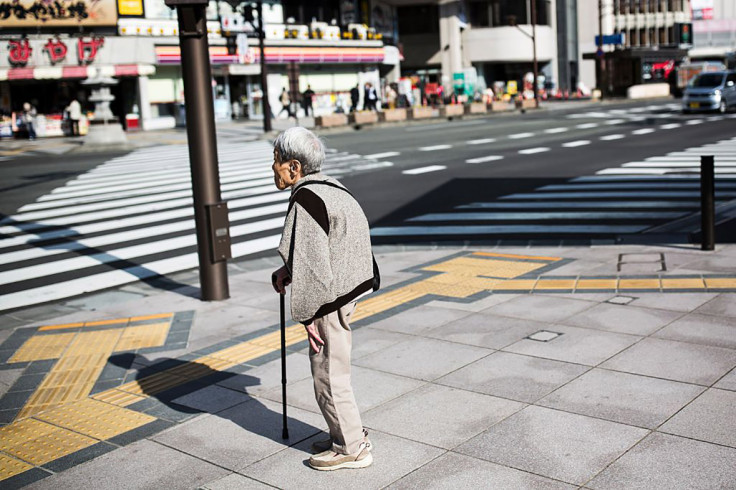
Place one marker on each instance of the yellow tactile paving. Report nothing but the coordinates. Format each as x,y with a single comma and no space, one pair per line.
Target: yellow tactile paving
644,283
150,385
517,285
683,283
143,336
10,467
469,266
96,419
119,398
37,442
454,291
43,347
720,283
150,317
239,353
555,284
61,327
596,284
514,256
76,371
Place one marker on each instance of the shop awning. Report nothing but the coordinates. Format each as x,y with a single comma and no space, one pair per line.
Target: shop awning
170,55
72,72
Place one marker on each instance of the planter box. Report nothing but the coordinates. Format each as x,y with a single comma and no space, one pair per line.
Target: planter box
363,117
390,115
331,120
454,110
420,112
500,106
476,108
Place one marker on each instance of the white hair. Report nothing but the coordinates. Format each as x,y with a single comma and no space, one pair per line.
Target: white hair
301,144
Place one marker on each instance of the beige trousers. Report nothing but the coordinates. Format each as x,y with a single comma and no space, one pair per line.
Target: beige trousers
332,387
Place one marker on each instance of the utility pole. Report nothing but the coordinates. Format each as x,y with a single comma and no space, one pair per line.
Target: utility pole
600,53
534,48
264,72
210,212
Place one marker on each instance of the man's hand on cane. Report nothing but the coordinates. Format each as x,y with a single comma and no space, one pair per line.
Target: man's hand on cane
280,279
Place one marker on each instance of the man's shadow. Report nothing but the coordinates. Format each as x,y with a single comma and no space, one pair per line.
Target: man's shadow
253,415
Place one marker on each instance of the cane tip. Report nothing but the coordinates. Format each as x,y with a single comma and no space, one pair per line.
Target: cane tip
285,434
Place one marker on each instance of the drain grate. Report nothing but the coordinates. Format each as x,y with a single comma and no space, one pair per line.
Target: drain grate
544,336
642,262
621,300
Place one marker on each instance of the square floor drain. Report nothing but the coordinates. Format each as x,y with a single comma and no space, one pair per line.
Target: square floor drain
621,300
544,336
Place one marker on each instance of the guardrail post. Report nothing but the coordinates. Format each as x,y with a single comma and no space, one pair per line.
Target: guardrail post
707,203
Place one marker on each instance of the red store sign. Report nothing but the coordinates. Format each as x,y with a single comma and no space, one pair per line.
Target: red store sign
20,51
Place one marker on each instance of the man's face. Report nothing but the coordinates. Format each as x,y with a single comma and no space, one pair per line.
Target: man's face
282,173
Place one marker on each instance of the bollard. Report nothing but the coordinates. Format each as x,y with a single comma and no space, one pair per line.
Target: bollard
707,203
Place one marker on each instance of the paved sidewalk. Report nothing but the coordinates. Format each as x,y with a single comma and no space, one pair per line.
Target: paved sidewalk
488,367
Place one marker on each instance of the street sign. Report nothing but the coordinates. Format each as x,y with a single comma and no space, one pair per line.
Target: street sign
619,38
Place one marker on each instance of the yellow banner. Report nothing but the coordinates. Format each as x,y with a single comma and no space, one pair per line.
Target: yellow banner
130,7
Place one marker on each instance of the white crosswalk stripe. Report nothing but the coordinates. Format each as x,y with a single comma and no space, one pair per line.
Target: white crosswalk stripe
131,218
637,197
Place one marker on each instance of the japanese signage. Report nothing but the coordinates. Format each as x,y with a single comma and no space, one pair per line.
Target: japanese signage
19,52
130,8
57,13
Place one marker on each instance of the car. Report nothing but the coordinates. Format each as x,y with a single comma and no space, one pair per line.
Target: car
710,91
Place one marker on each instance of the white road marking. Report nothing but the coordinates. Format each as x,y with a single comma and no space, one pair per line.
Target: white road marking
386,154
612,137
575,144
587,125
693,122
424,170
531,151
481,141
556,130
670,126
490,158
518,136
435,147
613,122
643,131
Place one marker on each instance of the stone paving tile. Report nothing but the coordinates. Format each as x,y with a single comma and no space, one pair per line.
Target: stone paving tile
212,399
367,340
577,345
421,358
371,388
672,301
228,321
623,319
535,307
453,470
393,457
625,398
475,306
264,378
728,382
702,329
486,330
575,268
242,434
671,462
711,418
564,446
439,415
723,305
712,264
678,361
513,376
234,481
144,464
418,320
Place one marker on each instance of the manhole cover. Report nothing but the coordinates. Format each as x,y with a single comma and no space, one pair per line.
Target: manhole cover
621,300
544,336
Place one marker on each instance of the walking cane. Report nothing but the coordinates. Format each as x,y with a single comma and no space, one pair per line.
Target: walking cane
285,432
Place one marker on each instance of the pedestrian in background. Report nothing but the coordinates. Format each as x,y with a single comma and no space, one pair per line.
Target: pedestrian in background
285,102
307,100
74,110
354,98
369,97
326,249
29,120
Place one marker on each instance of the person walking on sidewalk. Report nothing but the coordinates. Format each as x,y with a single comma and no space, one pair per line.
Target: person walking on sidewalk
285,102
326,249
74,109
29,120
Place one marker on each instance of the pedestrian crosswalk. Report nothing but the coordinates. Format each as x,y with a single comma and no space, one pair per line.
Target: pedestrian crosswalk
634,198
131,218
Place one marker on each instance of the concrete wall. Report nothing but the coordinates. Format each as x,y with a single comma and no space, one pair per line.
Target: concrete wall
508,44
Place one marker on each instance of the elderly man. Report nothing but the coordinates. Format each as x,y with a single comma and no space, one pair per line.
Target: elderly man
326,249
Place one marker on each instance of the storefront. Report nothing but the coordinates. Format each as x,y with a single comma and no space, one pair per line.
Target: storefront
48,72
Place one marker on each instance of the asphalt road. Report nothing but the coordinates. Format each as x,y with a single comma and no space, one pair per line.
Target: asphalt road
603,173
